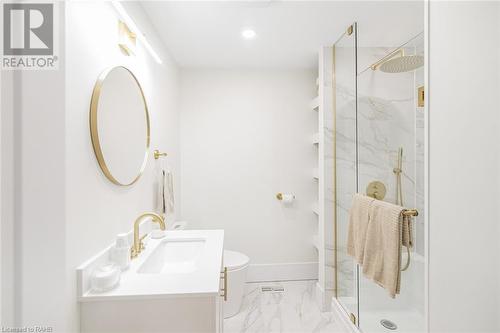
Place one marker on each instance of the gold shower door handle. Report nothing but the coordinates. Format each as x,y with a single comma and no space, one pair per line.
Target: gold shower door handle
224,289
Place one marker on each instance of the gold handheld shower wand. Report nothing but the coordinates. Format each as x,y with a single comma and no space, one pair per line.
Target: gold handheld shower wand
398,170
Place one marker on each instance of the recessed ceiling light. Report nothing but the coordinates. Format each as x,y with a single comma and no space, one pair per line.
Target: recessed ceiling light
248,34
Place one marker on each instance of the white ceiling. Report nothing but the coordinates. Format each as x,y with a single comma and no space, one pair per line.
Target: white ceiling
289,33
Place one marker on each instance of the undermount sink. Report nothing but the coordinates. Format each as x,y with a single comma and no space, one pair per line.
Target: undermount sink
174,256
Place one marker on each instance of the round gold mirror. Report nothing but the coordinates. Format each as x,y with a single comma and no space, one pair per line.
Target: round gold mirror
119,126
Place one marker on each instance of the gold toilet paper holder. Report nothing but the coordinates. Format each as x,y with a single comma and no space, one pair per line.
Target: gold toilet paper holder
280,196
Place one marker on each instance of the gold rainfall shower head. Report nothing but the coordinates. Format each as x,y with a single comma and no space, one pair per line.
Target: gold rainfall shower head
398,62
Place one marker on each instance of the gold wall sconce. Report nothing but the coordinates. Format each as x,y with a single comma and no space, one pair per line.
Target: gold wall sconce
157,154
126,39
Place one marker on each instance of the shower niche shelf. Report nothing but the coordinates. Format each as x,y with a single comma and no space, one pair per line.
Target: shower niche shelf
315,139
323,104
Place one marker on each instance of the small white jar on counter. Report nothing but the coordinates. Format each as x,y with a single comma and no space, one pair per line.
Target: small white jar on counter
120,253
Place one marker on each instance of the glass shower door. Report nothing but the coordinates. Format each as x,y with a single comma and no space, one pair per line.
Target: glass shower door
390,147
377,131
344,164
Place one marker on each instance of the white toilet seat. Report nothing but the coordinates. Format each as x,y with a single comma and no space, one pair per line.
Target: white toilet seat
235,260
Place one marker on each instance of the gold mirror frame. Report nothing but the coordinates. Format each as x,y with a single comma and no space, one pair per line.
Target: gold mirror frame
94,133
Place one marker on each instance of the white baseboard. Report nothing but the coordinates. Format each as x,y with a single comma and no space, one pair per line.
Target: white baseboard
283,272
343,317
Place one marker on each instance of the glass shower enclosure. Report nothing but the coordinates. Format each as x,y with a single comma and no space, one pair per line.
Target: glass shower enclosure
378,136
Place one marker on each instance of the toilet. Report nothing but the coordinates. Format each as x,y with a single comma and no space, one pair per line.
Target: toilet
237,267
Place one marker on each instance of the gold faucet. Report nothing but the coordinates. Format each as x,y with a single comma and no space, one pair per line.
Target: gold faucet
138,245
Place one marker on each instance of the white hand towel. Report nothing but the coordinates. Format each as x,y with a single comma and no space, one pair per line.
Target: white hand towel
169,192
165,190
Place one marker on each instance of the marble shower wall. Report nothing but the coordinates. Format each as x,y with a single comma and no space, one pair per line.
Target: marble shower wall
386,122
388,118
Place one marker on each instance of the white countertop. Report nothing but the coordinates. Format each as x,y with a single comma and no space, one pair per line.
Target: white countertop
204,281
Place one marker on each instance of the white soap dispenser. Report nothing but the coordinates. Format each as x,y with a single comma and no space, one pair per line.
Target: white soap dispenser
120,252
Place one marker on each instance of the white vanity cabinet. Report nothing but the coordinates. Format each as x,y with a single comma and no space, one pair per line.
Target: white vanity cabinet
174,314
175,285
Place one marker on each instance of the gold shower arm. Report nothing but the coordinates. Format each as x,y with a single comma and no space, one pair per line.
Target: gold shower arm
391,55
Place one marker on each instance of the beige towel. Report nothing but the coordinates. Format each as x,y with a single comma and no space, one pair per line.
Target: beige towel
385,235
407,237
358,223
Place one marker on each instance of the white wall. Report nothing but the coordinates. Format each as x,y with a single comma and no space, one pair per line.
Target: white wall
40,203
464,166
33,197
245,136
7,197
96,209
64,209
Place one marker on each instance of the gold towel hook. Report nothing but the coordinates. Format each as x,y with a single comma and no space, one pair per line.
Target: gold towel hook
158,154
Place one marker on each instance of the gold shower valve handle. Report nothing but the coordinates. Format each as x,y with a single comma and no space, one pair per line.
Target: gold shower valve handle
376,189
279,196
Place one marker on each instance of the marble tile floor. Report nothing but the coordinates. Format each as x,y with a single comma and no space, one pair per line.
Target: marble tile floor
291,310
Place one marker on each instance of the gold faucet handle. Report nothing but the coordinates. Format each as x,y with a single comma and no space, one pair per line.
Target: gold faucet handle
141,243
133,253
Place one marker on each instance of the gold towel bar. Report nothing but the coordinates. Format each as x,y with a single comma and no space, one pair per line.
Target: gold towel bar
410,212
158,154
